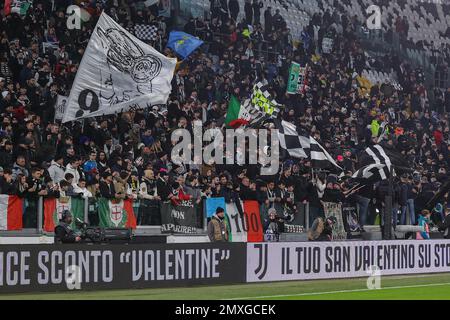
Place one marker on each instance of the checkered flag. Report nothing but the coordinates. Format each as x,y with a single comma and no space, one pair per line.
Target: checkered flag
262,100
146,32
295,144
320,158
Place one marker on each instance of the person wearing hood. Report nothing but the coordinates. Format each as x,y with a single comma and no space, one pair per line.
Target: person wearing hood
333,191
57,169
217,227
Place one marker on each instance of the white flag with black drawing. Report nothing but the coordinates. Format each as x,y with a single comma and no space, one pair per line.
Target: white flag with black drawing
60,107
118,72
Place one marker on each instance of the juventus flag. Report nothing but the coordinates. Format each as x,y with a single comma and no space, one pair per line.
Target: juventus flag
295,144
300,146
118,72
382,154
373,172
320,158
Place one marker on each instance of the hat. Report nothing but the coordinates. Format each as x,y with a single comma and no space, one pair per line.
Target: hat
65,214
272,210
163,171
1,169
106,174
219,210
332,179
2,79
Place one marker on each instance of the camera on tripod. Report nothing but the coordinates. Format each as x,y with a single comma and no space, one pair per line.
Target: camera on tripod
102,235
90,234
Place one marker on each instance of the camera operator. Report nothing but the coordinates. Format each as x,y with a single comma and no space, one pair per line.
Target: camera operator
273,226
63,231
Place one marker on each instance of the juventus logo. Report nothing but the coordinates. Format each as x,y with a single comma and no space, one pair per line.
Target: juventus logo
261,270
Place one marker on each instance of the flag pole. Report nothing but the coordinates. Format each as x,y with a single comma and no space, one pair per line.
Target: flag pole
387,232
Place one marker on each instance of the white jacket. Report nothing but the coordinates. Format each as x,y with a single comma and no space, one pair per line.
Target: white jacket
56,172
74,172
86,192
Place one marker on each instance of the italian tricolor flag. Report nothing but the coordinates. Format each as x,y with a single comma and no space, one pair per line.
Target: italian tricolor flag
54,207
237,114
11,212
116,213
17,6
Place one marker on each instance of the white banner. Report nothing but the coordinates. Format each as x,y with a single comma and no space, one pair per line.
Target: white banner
328,260
327,45
237,223
118,72
60,107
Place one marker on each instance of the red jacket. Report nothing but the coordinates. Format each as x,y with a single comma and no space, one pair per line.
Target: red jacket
180,197
438,137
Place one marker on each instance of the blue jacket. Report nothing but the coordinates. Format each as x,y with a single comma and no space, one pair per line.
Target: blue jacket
423,222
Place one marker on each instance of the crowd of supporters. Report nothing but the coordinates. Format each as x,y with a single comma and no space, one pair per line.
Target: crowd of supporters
129,154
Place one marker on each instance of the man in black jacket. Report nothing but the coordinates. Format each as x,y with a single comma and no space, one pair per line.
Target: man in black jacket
107,189
248,9
63,231
445,226
268,21
162,185
6,184
233,5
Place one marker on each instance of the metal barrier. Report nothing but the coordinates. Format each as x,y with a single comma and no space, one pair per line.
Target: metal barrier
146,212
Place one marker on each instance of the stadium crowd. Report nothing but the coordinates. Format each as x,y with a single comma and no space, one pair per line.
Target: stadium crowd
128,155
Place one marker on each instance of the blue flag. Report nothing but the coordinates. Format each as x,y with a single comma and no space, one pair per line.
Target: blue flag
183,43
212,204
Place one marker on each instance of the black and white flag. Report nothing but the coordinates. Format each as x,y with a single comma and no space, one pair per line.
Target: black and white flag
295,144
375,162
146,32
372,172
320,158
375,155
118,72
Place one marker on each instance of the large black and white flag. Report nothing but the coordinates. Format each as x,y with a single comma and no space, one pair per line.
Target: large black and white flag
118,72
320,158
375,162
296,145
372,172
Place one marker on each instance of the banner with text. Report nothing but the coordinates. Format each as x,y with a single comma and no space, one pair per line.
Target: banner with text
328,260
179,219
40,268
